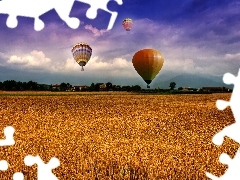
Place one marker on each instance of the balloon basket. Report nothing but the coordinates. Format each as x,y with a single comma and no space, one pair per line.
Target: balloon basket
82,69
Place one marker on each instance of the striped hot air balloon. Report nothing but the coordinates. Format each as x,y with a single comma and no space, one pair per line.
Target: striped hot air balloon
81,53
127,24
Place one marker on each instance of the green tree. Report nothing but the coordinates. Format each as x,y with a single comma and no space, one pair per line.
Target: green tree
32,85
172,85
92,87
180,88
97,86
116,87
69,86
63,86
109,86
136,88
19,86
126,88
9,85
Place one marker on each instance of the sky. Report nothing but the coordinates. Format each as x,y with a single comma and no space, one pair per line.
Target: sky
194,36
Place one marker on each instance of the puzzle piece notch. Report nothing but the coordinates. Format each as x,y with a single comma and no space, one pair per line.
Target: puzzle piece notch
34,9
101,4
44,170
18,176
232,130
229,78
232,172
221,104
8,133
3,165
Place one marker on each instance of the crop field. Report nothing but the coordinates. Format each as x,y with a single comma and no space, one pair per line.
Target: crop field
116,135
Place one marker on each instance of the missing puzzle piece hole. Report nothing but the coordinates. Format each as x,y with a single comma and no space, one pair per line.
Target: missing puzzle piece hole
73,23
225,159
228,78
221,104
29,160
18,176
12,22
91,13
218,139
114,6
3,165
54,162
38,25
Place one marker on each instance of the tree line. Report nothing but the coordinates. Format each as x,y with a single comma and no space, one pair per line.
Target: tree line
12,85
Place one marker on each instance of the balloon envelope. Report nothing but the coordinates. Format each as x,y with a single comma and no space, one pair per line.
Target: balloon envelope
127,24
148,63
81,53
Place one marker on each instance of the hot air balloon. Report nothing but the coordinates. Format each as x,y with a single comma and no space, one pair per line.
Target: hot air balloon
81,53
148,63
127,24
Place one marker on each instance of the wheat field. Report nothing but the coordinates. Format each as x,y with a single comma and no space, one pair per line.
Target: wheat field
116,135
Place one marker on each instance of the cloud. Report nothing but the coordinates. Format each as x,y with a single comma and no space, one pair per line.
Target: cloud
205,42
233,57
95,31
98,63
19,60
118,67
35,59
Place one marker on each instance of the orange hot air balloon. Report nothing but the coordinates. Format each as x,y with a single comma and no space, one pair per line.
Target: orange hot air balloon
148,63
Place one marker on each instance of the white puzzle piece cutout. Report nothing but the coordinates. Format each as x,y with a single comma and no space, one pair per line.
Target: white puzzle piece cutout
8,133
232,172
3,165
232,131
44,171
8,141
36,8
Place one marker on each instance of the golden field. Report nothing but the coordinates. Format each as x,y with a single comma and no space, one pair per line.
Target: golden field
116,135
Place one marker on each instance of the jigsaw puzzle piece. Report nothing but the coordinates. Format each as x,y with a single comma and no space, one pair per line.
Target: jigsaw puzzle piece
229,78
5,8
34,9
231,131
3,165
18,176
211,176
63,8
44,170
25,8
221,104
8,133
232,172
12,21
101,4
235,98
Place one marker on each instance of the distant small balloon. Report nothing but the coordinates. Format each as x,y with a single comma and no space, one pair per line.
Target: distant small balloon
127,24
148,63
81,53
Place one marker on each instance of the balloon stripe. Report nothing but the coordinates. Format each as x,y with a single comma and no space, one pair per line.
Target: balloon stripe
81,53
